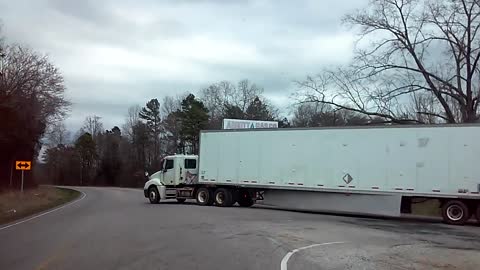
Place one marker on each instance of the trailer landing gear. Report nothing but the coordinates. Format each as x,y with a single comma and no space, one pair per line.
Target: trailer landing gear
245,199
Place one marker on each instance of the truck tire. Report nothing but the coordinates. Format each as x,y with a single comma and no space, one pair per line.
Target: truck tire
223,197
204,196
245,199
181,200
455,212
153,195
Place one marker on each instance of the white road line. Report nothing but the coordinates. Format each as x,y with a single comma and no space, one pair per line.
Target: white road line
283,264
44,213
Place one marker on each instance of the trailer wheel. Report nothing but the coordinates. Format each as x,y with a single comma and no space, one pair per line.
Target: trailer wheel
455,212
223,197
204,196
245,199
153,195
181,200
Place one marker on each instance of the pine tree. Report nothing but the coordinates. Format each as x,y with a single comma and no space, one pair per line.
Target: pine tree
86,149
193,118
151,115
233,112
258,110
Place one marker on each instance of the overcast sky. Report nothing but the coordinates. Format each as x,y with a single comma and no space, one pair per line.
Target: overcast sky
114,54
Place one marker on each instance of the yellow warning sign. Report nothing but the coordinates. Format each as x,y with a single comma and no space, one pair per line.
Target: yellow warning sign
23,165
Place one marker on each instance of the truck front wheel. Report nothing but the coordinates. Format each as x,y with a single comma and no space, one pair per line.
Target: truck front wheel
455,212
223,197
204,196
153,195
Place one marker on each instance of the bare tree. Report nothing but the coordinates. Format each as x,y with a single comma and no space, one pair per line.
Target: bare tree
93,126
420,51
32,77
131,120
246,93
304,114
171,106
315,114
57,134
216,97
343,90
224,97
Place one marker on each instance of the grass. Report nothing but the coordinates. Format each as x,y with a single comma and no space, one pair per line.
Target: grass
14,205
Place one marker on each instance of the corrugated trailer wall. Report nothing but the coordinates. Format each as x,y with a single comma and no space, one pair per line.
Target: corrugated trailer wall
426,159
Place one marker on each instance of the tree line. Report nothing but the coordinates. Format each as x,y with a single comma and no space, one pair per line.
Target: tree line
415,62
120,156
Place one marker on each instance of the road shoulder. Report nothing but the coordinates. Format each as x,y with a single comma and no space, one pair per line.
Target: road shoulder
15,206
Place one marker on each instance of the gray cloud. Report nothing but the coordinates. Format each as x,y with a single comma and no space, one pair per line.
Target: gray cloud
86,10
118,53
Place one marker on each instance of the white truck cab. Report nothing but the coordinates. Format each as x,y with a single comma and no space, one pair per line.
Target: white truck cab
176,171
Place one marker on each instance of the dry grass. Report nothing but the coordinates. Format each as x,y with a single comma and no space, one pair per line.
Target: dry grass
14,205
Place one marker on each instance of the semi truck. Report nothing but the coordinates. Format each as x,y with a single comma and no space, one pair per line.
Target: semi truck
380,170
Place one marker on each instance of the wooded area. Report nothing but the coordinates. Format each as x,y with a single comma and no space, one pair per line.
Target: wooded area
416,62
120,156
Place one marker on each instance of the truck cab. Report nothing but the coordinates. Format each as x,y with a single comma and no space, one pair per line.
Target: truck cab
176,171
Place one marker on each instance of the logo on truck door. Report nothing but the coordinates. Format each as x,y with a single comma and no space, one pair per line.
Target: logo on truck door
347,178
191,178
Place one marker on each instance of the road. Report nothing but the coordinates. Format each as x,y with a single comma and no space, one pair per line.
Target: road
114,228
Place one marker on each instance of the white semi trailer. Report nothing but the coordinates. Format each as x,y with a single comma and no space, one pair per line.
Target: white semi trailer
375,170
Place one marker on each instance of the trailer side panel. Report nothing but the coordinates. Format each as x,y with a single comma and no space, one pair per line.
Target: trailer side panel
427,160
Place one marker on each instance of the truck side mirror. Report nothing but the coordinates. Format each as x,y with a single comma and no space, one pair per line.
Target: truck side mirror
146,174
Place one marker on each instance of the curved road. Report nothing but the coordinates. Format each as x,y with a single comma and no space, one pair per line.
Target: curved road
114,228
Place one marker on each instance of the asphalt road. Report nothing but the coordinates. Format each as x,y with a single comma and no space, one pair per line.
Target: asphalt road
113,228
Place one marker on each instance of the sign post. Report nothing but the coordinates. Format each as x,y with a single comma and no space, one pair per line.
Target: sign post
23,166
21,188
